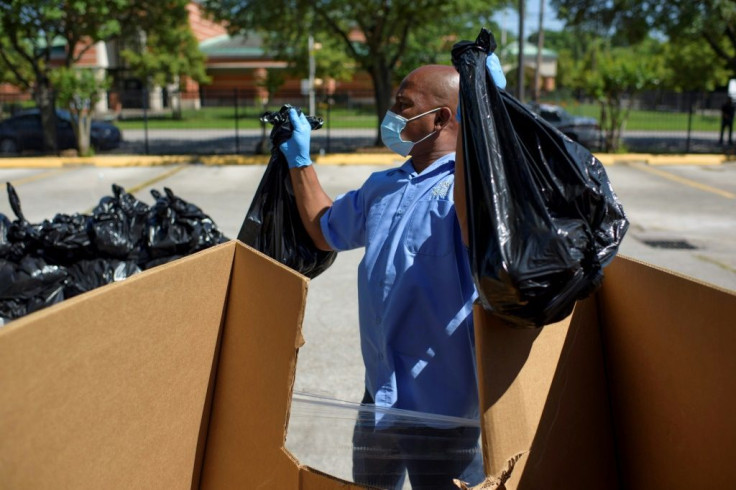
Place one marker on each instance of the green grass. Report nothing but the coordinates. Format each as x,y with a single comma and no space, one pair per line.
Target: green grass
224,118
654,120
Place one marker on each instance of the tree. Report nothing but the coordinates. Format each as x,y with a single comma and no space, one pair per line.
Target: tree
709,23
612,76
428,47
79,90
158,44
31,31
375,35
687,70
571,46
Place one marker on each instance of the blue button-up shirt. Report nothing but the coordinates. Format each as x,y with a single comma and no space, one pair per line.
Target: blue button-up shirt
415,289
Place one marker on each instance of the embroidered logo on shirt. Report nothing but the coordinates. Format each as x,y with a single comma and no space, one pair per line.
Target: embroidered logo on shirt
439,191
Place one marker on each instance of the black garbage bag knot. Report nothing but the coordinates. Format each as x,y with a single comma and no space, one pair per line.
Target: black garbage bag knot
118,224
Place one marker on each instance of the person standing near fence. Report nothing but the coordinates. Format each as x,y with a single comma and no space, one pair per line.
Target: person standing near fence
727,113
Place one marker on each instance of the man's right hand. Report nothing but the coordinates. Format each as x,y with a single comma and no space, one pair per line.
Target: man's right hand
493,65
296,148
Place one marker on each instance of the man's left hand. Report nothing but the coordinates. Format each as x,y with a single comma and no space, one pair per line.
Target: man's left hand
296,148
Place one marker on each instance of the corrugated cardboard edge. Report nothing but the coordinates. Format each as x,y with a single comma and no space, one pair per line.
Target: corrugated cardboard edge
680,275
493,482
207,410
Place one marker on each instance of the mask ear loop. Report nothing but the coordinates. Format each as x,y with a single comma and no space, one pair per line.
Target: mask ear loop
428,135
417,117
423,114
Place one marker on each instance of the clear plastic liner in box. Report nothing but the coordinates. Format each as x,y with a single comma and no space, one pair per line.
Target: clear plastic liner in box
320,434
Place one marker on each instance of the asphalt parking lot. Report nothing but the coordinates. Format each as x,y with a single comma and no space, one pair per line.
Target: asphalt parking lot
683,218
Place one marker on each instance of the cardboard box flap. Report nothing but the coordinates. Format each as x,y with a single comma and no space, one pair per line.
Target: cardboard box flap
633,390
669,344
108,389
543,403
254,381
254,377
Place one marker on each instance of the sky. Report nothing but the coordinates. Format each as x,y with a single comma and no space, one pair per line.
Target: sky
508,19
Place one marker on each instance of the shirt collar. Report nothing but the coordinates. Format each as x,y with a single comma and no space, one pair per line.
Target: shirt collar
408,167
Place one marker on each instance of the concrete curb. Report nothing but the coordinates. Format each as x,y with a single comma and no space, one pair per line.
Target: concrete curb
650,159
378,158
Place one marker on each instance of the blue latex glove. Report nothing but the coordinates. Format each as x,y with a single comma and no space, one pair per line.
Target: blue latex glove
493,65
296,148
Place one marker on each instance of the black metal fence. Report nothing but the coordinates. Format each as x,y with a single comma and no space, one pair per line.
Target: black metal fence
227,121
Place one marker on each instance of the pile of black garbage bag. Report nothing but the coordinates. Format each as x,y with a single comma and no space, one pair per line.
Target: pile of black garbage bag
272,224
45,263
543,218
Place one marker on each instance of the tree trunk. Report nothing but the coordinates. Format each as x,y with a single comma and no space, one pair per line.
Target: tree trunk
383,93
82,129
45,102
614,107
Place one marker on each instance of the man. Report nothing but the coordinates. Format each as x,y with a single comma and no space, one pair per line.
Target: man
415,289
727,114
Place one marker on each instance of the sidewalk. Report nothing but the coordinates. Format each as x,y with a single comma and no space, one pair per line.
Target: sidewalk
378,158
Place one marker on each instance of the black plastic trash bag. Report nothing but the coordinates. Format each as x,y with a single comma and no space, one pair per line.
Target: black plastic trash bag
165,236
29,285
118,224
176,228
23,237
86,275
203,231
65,239
4,240
272,224
42,264
543,219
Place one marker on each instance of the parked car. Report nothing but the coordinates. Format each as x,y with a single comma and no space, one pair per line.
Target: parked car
584,130
23,132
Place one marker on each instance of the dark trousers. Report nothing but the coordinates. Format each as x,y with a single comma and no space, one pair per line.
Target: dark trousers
432,457
726,124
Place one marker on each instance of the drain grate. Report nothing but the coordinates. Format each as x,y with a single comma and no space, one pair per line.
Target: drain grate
670,244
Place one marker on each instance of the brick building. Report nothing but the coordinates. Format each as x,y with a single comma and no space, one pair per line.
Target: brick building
232,63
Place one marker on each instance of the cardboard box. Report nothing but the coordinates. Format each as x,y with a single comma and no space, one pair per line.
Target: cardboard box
634,390
181,377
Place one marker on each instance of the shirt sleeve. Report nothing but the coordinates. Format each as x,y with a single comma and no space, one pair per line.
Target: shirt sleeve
343,225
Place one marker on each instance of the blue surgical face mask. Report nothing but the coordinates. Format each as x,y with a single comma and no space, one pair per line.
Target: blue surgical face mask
391,129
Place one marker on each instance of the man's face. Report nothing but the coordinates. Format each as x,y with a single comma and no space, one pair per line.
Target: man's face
411,101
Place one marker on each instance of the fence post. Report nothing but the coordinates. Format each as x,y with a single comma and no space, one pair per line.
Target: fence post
237,134
145,118
689,121
329,110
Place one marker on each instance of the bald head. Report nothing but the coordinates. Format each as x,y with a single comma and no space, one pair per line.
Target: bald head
438,83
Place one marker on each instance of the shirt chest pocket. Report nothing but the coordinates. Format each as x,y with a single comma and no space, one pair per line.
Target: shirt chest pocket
431,228
373,219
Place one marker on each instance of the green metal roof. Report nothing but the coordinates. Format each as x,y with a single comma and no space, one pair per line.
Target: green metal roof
239,46
512,50
57,42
